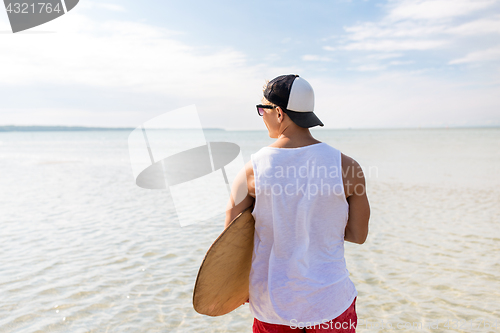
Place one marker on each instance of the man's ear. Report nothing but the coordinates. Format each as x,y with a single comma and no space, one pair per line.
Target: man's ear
280,111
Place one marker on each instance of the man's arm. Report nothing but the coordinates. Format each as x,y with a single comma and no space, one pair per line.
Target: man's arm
356,229
242,191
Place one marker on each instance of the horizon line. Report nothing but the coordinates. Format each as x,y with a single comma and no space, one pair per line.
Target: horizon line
55,128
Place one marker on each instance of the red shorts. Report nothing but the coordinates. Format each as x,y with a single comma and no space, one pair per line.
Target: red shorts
345,323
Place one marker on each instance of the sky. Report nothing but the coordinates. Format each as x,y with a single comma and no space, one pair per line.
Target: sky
372,64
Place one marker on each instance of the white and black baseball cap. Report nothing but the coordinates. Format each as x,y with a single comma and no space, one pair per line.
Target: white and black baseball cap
296,97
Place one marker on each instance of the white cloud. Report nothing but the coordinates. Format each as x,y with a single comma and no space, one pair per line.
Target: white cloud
382,56
425,25
409,62
389,45
434,9
386,29
373,62
491,54
312,57
114,7
368,68
130,61
116,54
418,29
91,4
489,25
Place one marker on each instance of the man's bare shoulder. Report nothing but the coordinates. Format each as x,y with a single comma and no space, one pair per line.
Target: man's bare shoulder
348,162
352,174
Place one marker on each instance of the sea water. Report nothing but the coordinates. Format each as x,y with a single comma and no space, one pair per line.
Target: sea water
83,249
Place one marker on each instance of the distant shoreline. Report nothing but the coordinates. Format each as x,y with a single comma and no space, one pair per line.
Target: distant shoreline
15,128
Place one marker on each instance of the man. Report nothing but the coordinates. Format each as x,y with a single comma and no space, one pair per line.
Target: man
308,198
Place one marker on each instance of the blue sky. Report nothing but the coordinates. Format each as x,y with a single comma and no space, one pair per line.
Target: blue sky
396,63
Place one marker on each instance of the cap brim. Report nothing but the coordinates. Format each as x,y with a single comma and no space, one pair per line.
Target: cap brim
304,119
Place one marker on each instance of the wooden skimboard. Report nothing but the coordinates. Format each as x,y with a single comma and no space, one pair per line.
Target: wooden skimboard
223,279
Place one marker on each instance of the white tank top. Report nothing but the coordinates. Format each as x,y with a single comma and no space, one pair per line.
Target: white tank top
298,270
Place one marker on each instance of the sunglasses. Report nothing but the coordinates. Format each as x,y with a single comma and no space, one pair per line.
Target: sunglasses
261,107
